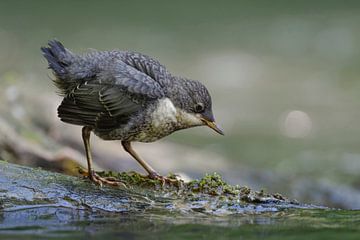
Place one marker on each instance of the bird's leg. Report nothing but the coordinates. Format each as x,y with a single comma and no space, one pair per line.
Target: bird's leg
86,131
147,167
152,173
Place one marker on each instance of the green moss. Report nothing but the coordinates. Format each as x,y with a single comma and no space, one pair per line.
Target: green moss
211,185
133,179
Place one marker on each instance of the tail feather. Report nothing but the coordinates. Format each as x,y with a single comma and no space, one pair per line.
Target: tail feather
59,60
57,57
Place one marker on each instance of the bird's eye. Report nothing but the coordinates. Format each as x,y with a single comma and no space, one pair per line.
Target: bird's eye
199,107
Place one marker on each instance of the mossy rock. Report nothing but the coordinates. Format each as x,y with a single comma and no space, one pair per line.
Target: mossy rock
23,187
211,185
210,194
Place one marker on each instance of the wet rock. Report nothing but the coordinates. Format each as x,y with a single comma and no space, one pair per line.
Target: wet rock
24,188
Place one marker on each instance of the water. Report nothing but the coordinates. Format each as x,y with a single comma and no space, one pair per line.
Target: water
55,223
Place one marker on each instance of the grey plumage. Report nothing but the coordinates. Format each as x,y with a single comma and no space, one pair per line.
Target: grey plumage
111,90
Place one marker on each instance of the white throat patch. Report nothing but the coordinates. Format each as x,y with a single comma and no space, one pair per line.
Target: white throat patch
164,113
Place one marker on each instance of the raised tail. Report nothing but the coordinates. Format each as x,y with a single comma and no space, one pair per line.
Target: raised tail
59,59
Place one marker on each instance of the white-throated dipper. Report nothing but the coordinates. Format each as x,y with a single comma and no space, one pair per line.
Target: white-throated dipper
127,96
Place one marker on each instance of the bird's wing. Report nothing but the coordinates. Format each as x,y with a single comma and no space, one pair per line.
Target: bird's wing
131,79
108,100
97,106
147,65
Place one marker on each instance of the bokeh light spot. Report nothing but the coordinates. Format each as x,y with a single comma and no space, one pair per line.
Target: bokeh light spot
296,124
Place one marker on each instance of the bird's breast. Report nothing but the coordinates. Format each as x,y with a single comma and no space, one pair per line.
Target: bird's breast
159,121
164,114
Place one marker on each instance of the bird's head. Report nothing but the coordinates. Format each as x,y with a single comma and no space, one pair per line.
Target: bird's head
196,102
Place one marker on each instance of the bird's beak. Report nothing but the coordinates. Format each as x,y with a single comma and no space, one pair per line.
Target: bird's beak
213,126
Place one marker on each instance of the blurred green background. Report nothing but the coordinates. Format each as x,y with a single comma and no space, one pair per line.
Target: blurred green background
284,76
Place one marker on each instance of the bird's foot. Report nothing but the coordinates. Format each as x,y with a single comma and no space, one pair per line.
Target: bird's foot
94,177
165,180
106,180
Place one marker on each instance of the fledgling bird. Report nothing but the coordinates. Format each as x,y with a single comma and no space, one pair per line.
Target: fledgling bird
127,96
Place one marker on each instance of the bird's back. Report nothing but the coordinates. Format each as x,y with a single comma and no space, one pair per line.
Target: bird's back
71,69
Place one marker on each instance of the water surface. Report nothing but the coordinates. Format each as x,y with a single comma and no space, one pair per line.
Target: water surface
54,223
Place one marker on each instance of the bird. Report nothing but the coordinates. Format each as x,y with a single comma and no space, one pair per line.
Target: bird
126,96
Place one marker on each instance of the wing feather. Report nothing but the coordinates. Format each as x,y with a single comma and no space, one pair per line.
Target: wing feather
111,98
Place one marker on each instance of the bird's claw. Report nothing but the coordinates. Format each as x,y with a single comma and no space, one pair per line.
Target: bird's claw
94,177
106,180
164,180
